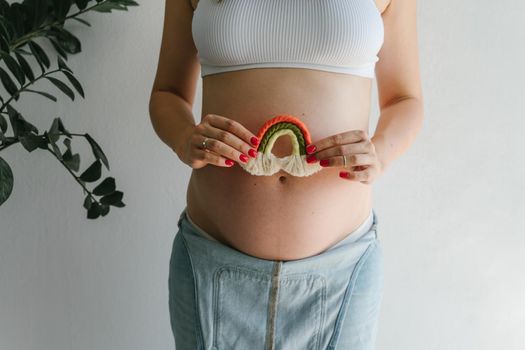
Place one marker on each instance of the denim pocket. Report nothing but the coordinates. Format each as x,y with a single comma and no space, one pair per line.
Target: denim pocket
240,302
242,311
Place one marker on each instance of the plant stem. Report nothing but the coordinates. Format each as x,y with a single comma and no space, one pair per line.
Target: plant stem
15,140
72,174
22,88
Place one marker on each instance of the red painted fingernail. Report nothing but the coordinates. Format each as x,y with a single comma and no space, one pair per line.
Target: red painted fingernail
324,162
243,157
229,162
252,152
343,174
254,140
311,158
310,149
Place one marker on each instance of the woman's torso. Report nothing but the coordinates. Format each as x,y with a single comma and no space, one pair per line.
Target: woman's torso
282,217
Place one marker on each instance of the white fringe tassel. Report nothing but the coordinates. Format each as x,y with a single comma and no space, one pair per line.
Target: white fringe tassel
294,164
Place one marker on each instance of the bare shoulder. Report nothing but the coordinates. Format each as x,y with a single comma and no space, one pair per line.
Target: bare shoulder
397,70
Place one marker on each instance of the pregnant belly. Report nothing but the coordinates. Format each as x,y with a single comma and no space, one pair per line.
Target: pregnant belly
278,217
282,217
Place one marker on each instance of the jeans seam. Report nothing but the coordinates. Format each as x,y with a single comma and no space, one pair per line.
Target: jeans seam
215,307
198,329
322,316
348,294
272,306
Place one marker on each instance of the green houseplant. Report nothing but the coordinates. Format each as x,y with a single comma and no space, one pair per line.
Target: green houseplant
20,24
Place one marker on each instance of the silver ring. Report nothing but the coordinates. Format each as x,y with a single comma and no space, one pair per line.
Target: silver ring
344,161
204,143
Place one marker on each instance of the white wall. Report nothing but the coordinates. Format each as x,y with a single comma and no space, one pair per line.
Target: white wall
450,210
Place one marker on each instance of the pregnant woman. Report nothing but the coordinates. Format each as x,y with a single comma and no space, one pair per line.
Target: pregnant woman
277,246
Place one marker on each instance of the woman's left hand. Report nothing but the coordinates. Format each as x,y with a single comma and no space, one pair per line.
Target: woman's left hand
362,162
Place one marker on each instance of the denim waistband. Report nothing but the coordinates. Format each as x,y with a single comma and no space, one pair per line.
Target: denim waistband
197,227
358,232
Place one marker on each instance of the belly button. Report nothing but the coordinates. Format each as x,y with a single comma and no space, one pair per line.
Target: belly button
282,179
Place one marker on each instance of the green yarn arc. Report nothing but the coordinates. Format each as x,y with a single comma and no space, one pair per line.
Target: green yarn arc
280,126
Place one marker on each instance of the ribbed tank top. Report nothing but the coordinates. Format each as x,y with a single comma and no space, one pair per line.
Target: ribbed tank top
342,36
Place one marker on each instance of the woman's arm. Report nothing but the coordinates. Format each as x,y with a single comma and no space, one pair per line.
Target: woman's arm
398,81
173,92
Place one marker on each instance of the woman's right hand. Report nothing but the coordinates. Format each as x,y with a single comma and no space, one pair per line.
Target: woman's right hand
227,140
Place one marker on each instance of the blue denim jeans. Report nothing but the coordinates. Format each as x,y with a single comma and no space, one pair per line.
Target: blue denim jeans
223,299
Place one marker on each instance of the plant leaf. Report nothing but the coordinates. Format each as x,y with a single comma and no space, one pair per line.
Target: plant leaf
6,24
93,211
4,31
71,160
119,204
31,142
81,4
97,150
92,173
67,142
8,83
112,198
6,181
25,66
49,96
4,44
74,82
105,187
67,41
57,47
13,66
63,87
104,209
107,6
39,54
40,12
62,128
21,50
20,126
81,20
57,127
56,150
16,14
62,64
3,123
62,8
53,133
88,201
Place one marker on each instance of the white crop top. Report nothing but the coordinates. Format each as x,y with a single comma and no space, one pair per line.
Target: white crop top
341,36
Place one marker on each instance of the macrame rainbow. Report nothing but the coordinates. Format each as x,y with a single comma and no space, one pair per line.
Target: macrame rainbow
266,163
